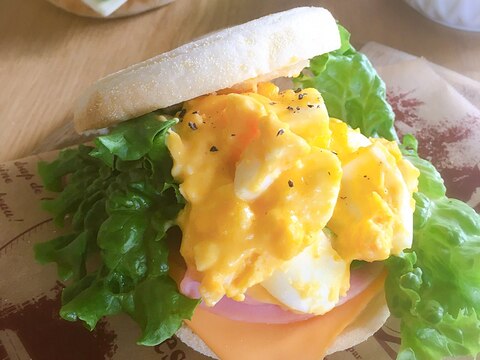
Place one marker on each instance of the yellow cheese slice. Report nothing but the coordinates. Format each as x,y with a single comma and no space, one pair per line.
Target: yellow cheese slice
306,340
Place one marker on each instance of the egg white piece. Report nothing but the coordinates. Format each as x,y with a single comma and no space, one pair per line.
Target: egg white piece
276,150
313,281
357,140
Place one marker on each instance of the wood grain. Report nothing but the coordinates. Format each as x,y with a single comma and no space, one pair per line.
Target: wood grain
47,56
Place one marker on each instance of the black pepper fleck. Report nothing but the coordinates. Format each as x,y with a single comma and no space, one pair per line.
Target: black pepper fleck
195,112
182,113
280,132
233,134
310,106
334,153
213,149
298,108
297,90
290,183
328,172
289,108
192,125
343,197
273,103
300,96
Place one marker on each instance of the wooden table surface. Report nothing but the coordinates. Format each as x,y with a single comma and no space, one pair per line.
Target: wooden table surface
47,56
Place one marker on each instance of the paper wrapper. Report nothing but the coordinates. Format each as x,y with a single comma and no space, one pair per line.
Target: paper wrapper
439,107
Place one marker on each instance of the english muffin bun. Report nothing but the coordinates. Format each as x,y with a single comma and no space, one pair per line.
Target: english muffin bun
131,7
276,45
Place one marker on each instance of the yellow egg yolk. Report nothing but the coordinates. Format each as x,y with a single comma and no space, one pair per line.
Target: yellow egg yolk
263,173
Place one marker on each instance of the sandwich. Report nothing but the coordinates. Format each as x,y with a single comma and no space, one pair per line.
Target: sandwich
108,8
255,222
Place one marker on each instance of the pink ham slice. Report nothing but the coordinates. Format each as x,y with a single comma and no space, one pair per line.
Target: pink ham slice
254,311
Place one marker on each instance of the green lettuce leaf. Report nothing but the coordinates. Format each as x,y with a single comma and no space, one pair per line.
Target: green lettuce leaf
121,199
434,287
149,314
352,90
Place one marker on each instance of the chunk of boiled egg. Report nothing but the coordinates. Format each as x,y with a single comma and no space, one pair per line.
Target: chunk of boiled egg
313,281
373,214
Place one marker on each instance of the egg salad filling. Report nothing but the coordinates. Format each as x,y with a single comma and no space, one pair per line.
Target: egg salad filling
264,174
